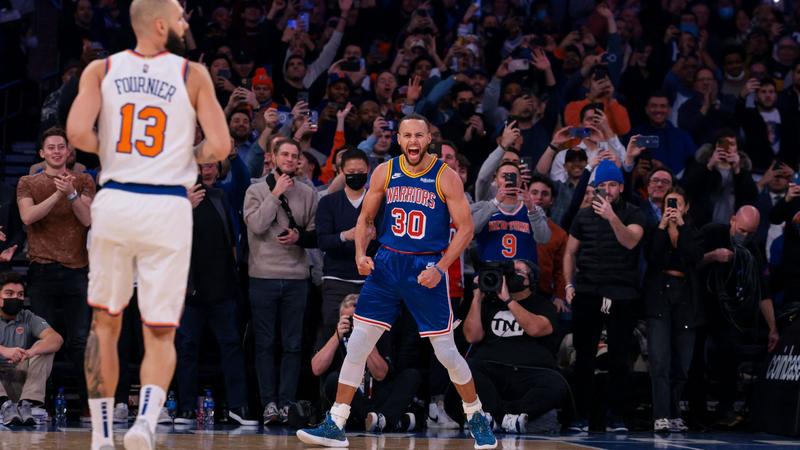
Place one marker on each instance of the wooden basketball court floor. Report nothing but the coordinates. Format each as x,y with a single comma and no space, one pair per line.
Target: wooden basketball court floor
228,437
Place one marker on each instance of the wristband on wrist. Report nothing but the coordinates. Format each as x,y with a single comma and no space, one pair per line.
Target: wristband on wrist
553,147
73,196
441,272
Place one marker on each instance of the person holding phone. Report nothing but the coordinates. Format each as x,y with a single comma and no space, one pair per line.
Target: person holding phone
675,148
510,225
601,270
280,218
673,307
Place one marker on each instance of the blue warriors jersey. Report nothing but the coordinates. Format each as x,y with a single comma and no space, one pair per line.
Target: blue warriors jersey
507,236
416,219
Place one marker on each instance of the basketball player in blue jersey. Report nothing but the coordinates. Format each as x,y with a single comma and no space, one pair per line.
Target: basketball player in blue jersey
422,195
509,226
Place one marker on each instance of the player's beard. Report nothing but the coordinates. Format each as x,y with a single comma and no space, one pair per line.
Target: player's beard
175,44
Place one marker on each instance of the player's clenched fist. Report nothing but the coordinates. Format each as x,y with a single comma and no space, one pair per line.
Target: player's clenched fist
365,265
429,277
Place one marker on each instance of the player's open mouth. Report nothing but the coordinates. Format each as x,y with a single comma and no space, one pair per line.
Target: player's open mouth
413,151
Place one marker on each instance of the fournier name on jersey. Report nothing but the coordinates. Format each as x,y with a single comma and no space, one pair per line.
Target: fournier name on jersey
145,85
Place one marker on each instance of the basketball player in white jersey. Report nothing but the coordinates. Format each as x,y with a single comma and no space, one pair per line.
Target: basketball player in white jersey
145,103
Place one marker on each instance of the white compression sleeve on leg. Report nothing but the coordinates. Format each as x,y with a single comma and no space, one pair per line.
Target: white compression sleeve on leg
446,352
359,346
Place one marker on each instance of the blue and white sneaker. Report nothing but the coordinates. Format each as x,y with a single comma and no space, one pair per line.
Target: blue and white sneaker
326,434
481,431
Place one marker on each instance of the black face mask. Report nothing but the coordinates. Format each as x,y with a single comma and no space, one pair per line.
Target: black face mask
355,181
516,283
466,110
175,44
12,306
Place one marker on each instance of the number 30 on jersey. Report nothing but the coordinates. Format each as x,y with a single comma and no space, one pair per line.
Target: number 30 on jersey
411,223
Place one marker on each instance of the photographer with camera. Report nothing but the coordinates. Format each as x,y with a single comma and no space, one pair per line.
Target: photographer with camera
601,270
514,358
510,225
381,402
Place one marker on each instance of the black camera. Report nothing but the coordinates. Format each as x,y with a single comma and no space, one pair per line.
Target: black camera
491,273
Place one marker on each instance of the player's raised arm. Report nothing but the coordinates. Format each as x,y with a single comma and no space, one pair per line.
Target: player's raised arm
457,205
85,109
217,143
369,208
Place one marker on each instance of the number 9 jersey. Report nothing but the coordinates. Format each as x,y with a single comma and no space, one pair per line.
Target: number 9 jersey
147,122
507,235
416,218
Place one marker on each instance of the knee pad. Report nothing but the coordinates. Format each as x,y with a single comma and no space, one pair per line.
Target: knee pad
446,352
359,346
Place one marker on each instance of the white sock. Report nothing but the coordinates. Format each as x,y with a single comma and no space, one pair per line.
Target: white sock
339,413
102,411
472,408
151,399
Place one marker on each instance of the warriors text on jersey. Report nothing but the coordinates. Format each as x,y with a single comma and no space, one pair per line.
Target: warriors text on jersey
416,219
147,122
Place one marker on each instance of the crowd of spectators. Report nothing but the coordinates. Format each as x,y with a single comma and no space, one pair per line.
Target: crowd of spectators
636,160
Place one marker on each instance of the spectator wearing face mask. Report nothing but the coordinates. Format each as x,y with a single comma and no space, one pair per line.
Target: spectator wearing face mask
737,295
467,128
27,347
515,386
335,222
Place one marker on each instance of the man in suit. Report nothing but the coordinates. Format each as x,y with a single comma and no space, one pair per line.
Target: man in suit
772,189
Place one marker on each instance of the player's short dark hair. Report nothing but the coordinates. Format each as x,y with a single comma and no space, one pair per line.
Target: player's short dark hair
10,278
54,131
354,153
281,142
415,116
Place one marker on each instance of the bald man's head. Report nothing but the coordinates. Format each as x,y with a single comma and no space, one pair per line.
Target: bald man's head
159,22
745,221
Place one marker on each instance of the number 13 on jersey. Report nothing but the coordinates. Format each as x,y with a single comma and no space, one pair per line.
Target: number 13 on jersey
154,120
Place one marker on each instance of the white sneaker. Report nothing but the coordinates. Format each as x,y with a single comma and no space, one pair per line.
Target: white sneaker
661,426
121,413
678,425
374,422
164,418
515,423
139,437
438,418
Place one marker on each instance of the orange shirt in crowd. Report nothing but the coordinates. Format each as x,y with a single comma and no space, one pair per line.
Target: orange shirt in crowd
617,115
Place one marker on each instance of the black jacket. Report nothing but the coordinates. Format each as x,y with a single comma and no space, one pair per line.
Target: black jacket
604,266
757,143
658,250
217,198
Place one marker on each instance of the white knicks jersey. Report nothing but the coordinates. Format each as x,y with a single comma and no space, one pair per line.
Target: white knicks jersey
147,122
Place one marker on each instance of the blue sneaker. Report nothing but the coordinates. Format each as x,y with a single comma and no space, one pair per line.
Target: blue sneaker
326,434
481,431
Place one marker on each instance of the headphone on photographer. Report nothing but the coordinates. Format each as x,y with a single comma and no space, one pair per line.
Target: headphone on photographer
533,273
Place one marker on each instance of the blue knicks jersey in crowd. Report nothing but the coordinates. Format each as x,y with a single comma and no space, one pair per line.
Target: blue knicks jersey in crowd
415,219
507,236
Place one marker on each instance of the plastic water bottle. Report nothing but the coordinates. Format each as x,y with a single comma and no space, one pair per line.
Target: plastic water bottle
208,409
171,405
61,408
